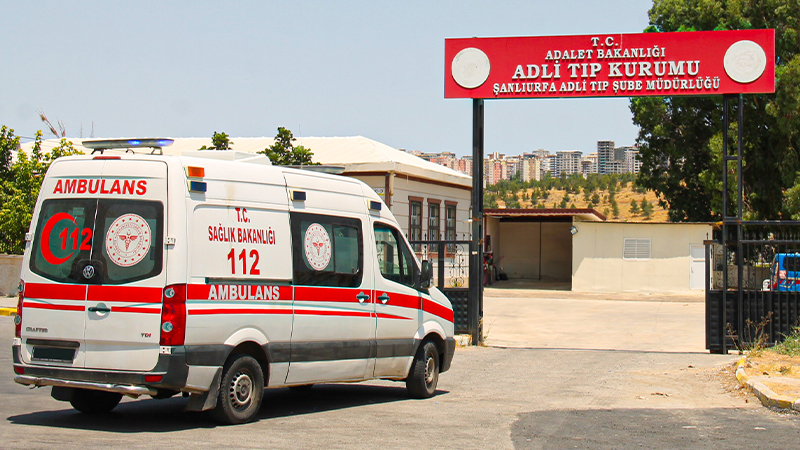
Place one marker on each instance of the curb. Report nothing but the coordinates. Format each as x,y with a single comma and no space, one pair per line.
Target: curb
765,394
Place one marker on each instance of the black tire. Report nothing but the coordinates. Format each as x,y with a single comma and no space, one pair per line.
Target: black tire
94,402
424,373
240,391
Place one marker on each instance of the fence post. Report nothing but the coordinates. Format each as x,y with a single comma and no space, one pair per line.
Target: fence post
476,247
440,260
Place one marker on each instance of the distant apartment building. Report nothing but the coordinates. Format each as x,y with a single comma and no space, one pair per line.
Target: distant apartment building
446,159
494,171
589,164
567,162
541,153
531,169
605,157
464,165
548,165
632,162
513,166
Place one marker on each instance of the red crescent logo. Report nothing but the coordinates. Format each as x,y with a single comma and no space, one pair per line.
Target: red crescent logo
48,228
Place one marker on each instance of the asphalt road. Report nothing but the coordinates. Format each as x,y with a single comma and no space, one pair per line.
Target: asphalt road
498,398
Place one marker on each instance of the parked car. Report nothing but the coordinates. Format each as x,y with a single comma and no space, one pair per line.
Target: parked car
786,272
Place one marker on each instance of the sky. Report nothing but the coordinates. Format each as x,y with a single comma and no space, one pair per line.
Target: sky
318,68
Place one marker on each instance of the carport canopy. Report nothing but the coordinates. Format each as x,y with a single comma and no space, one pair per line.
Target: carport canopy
533,244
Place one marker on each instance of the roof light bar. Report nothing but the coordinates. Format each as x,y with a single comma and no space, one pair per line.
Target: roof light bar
107,144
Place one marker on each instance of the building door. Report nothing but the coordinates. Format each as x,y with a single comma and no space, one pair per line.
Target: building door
697,267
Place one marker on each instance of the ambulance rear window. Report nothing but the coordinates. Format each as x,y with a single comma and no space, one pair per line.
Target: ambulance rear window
119,239
63,237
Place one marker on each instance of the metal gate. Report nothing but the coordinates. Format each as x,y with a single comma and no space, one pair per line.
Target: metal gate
753,285
450,260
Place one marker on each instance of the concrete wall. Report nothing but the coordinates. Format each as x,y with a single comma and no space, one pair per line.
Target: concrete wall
10,269
532,250
598,265
556,251
518,245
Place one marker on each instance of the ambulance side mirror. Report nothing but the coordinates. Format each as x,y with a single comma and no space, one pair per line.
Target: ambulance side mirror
426,275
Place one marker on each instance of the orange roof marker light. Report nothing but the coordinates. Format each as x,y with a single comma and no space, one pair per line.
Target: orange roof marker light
195,172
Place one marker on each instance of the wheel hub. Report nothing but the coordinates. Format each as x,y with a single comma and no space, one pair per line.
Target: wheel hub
430,370
241,390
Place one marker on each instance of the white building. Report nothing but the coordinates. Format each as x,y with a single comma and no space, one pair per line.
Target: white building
589,163
567,162
531,169
632,162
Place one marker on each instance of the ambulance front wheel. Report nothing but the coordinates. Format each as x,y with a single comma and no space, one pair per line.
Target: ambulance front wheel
94,402
424,374
240,390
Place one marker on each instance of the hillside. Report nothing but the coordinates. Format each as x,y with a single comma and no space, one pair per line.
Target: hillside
624,196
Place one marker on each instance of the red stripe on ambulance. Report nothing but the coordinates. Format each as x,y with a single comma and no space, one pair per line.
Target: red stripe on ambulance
55,291
29,304
136,294
430,306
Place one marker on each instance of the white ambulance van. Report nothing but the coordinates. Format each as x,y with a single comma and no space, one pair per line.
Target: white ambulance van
218,275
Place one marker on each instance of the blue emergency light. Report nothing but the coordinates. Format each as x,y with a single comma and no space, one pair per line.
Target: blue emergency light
197,186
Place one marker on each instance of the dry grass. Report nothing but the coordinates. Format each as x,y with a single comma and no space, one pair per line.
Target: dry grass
624,197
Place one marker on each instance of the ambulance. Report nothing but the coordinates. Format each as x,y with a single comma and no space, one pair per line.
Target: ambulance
217,275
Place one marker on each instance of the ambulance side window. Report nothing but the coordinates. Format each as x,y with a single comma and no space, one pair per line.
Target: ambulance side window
394,257
328,250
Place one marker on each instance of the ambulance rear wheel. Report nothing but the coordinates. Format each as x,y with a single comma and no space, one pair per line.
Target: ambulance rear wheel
94,402
424,374
240,391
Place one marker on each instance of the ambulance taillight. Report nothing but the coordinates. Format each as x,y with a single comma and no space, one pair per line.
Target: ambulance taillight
18,317
173,315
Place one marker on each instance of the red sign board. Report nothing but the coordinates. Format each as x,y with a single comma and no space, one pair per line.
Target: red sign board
611,65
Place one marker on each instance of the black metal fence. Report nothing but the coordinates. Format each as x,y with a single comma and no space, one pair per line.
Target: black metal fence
450,260
752,291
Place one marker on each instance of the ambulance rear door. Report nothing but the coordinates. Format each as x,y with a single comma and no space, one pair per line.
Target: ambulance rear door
123,300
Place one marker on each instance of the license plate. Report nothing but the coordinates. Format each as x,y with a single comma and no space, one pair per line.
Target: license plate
53,354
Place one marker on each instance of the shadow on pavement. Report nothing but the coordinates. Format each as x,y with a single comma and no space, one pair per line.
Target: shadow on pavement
713,428
599,350
168,415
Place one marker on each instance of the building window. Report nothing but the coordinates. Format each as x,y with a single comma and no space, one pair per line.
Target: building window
450,225
415,221
434,219
636,248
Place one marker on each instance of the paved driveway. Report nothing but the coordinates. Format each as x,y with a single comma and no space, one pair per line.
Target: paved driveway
515,315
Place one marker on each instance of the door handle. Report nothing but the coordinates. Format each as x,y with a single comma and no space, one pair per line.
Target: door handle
362,297
100,309
384,298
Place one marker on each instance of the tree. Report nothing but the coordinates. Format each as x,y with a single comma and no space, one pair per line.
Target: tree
284,153
219,141
680,137
20,186
595,200
647,208
634,207
615,209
